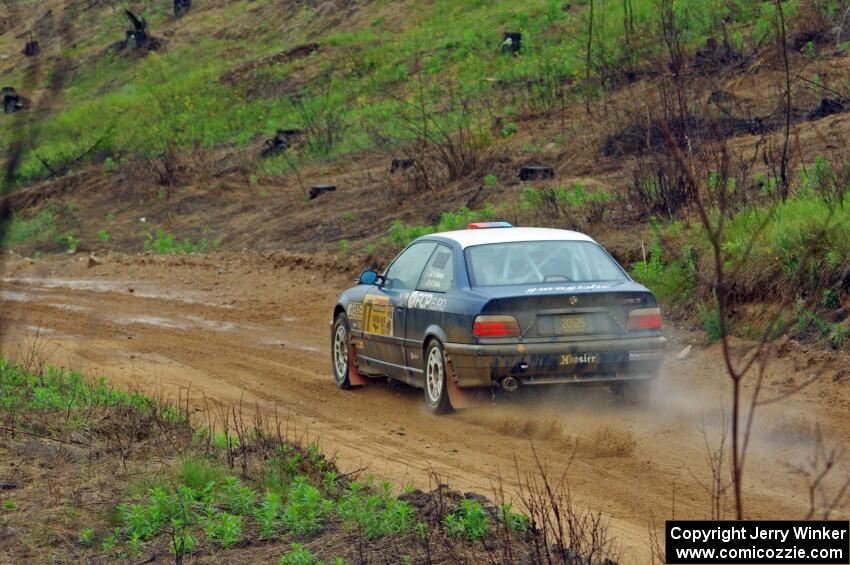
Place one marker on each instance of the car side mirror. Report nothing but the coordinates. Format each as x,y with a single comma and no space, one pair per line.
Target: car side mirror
368,277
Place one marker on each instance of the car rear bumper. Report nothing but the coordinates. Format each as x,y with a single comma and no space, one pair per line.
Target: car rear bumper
585,362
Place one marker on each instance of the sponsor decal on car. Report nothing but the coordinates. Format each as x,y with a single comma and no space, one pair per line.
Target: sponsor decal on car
570,288
646,355
377,315
570,359
355,311
426,301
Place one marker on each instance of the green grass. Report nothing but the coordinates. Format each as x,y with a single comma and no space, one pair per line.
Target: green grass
38,229
67,391
163,243
575,196
402,234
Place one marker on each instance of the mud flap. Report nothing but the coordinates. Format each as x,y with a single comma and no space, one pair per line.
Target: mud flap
354,376
458,397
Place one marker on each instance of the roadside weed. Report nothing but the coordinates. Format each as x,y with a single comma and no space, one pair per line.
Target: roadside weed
238,498
377,515
299,555
470,521
267,515
515,521
224,528
87,536
305,510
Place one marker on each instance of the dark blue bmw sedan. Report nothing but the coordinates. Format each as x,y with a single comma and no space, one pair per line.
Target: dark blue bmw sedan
498,306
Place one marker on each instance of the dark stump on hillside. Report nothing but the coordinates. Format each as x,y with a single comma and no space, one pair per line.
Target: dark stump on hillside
536,172
512,42
138,38
319,189
283,139
31,49
400,164
827,107
12,102
714,54
181,7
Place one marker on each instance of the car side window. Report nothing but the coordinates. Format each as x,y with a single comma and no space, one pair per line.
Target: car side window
405,271
439,272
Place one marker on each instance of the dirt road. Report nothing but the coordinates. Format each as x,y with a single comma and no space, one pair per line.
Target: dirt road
245,327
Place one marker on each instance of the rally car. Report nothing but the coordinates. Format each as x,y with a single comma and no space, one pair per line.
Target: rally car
502,307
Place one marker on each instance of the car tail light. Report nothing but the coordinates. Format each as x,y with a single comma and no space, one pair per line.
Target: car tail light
645,319
495,326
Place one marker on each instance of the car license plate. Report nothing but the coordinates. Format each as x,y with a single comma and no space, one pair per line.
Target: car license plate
571,324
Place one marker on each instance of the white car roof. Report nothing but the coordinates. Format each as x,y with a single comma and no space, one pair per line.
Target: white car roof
468,238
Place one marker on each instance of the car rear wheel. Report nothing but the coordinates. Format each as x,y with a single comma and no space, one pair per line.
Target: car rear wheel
436,385
341,352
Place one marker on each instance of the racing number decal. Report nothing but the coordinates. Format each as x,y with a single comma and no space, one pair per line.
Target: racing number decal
377,315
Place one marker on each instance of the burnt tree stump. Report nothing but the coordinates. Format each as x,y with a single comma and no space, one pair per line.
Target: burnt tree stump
137,38
319,189
12,102
512,42
400,165
31,49
827,107
282,140
536,172
181,7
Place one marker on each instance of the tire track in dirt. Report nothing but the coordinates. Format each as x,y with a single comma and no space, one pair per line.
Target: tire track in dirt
191,326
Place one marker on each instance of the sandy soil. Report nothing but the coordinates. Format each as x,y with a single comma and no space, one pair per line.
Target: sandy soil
255,329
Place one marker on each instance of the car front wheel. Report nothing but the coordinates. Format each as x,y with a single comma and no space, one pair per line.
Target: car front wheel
436,383
341,352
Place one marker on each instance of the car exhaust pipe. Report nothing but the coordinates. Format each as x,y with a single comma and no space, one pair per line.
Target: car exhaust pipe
509,384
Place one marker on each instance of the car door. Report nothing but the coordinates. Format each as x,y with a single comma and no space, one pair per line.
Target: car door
385,309
428,304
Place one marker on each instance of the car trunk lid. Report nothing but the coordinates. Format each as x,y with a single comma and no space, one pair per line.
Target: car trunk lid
574,311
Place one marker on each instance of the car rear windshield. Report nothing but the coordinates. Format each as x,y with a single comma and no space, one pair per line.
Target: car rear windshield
533,262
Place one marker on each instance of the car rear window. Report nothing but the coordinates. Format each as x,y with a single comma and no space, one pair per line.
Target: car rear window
534,262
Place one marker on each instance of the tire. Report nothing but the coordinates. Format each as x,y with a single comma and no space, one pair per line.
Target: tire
635,392
436,384
341,352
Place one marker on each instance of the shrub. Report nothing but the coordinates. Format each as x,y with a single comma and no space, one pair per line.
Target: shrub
299,555
515,521
87,536
70,241
268,514
710,317
470,521
377,515
238,498
830,299
38,229
305,510
224,528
